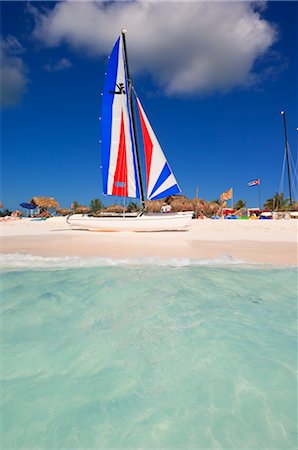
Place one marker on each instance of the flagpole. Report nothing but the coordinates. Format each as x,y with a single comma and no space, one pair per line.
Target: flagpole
260,196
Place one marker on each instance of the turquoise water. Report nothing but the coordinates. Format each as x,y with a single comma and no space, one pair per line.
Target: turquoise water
148,356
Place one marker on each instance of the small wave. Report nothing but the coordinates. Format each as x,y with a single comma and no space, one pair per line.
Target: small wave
17,261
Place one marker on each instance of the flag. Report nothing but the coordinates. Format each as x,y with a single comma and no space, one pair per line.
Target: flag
227,195
254,182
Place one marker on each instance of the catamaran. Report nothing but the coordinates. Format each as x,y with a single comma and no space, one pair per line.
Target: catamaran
121,165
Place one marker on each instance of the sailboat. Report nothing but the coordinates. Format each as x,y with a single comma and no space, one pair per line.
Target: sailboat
121,165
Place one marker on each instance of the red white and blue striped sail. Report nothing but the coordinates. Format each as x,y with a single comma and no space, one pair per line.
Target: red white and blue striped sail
119,160
119,169
160,181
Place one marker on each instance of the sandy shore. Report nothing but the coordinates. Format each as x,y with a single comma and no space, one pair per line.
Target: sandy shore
261,241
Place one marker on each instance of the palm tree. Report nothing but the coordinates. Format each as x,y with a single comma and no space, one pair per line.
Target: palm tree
5,212
277,203
132,207
269,204
239,204
75,205
96,205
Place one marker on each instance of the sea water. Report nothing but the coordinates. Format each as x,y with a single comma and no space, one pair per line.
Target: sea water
100,354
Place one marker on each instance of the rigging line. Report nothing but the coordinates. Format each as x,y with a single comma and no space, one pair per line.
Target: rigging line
295,182
296,171
293,170
140,140
292,164
296,166
281,182
140,144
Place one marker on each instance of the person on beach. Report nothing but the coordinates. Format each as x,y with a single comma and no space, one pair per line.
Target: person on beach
16,214
166,208
163,208
44,213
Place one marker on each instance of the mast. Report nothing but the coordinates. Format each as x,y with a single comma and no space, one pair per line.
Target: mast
287,154
142,198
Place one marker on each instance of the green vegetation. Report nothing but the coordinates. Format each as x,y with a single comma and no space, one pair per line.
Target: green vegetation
133,207
75,205
96,205
240,204
277,203
179,203
5,212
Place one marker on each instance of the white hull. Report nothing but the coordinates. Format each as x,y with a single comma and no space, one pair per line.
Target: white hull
145,222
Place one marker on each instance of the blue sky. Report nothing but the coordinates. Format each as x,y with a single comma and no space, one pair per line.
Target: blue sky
212,78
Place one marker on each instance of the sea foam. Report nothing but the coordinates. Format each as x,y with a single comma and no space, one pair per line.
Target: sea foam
15,261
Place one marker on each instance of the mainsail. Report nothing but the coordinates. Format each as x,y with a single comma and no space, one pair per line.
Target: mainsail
119,171
119,158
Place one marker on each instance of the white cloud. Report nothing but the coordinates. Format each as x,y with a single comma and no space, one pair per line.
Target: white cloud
187,47
13,46
58,66
12,72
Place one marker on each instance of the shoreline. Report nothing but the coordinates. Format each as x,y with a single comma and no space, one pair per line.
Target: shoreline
261,242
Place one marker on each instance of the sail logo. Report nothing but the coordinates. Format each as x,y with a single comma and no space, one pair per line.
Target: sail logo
121,89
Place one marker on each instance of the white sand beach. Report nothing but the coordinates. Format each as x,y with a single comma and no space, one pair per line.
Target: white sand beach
260,241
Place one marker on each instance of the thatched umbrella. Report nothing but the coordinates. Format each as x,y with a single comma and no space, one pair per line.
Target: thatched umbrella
200,207
82,209
212,208
199,203
181,203
45,202
64,211
153,206
171,198
178,203
114,209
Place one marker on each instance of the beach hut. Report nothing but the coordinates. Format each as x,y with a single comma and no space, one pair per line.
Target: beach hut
45,202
